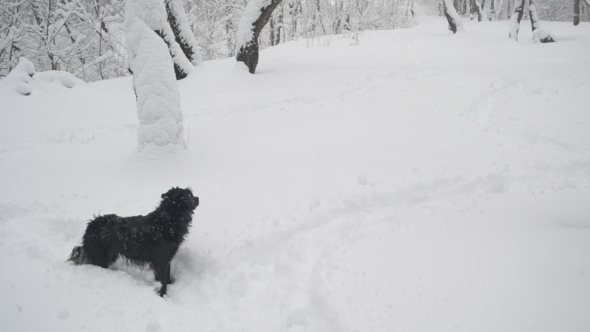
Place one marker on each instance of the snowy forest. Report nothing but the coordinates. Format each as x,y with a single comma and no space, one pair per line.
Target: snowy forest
86,37
294,165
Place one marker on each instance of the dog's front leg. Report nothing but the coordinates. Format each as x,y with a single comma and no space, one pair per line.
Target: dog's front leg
162,274
169,279
162,291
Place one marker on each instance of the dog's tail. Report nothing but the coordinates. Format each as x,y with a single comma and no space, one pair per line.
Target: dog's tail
79,256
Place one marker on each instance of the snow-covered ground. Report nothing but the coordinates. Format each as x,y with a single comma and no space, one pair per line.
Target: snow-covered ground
416,181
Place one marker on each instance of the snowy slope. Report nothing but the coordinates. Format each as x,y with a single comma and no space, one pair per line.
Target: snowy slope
417,181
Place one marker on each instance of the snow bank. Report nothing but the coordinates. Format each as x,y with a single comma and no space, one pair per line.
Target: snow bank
544,36
158,100
25,66
24,80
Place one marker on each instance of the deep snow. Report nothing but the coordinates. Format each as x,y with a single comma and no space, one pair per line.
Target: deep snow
417,181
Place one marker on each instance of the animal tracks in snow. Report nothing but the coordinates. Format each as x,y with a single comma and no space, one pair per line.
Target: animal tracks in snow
297,266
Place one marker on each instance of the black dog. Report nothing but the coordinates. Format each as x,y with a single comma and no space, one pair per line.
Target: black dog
152,239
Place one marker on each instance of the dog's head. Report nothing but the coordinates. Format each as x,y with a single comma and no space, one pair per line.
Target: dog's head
181,198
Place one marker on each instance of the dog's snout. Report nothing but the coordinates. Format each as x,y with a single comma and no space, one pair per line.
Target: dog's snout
196,201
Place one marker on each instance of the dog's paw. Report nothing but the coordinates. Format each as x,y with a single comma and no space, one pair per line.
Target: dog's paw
160,291
170,280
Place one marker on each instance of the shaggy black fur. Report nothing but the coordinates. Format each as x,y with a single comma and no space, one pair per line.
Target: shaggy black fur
152,239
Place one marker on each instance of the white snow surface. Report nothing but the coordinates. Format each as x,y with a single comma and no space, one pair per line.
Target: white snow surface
250,14
158,99
417,181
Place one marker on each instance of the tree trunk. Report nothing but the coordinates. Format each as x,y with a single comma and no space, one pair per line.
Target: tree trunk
321,19
179,71
337,23
452,16
279,28
478,10
293,11
155,15
533,15
576,12
515,19
409,7
256,14
272,32
182,31
498,15
158,100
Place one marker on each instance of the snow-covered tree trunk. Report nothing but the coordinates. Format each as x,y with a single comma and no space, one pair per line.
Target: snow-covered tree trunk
295,14
484,13
498,14
410,8
158,100
515,18
255,16
478,9
280,26
153,13
576,12
182,31
273,37
533,15
453,17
